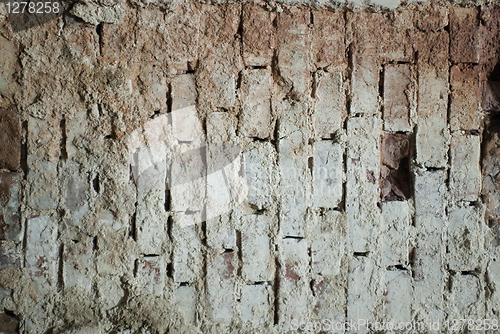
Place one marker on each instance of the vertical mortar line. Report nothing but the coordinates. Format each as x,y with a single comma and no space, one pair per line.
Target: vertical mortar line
381,93
24,149
23,190
63,149
60,277
99,30
240,33
276,288
348,92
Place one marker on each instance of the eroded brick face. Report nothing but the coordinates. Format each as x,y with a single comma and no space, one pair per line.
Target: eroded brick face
10,139
248,167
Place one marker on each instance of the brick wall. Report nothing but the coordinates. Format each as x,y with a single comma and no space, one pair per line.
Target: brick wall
360,184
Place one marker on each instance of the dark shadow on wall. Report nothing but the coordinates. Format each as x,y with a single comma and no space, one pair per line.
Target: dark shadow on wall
490,150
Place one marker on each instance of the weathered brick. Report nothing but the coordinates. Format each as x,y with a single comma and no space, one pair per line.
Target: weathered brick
464,26
220,281
294,177
150,275
222,158
293,48
256,251
293,119
110,291
216,81
220,232
432,141
43,192
186,300
432,131
259,39
467,296
329,301
330,107
430,199
187,259
433,52
78,264
255,307
151,188
395,170
8,66
117,41
294,288
464,112
428,276
465,167
220,23
261,175
365,90
77,190
490,162
10,201
44,139
226,187
327,243
431,17
465,238
398,296
363,295
10,255
327,174
76,127
363,170
10,139
395,232
293,166
188,179
493,302
397,36
42,254
256,118
488,31
398,94
327,38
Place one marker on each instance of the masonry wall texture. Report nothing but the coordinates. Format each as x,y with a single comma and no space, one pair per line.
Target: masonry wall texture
365,184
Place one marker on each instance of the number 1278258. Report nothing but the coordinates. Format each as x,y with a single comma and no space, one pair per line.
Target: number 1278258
22,7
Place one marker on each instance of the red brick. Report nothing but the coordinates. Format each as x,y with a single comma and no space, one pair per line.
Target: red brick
10,139
464,113
395,173
258,35
464,24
